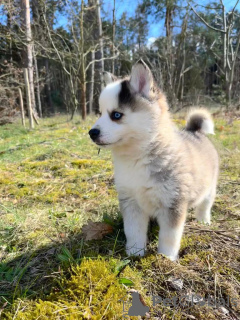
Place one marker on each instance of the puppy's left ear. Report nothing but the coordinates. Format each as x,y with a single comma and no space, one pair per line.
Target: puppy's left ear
141,78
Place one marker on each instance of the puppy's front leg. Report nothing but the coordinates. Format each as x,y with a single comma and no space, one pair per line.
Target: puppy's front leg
171,223
135,226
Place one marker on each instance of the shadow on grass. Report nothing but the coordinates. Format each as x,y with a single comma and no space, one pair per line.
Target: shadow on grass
35,274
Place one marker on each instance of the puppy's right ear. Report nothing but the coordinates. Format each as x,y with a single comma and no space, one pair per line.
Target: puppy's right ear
108,78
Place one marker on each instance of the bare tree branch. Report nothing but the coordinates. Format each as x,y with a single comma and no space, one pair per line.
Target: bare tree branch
205,22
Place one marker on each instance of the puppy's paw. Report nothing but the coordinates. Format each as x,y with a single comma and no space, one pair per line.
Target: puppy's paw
134,251
170,257
205,221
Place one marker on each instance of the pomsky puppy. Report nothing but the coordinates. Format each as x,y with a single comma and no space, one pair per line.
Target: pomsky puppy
160,171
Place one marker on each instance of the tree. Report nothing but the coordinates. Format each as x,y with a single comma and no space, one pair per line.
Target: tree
99,56
27,54
229,42
194,57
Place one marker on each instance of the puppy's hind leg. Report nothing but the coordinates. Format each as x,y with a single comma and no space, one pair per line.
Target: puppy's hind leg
171,223
135,227
203,210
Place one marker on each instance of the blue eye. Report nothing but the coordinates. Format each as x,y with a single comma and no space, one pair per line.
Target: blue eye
116,115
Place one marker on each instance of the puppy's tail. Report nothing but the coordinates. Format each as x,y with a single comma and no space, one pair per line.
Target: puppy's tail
200,120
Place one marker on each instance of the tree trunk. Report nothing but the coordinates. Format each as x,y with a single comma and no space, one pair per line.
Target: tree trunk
28,63
224,39
28,52
74,100
113,37
99,65
225,54
83,100
9,26
168,26
82,71
180,56
28,95
91,87
48,87
21,106
38,87
232,71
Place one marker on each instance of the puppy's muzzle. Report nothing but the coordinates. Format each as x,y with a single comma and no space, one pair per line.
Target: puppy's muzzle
94,134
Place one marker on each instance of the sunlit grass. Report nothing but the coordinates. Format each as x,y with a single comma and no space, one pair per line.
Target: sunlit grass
52,180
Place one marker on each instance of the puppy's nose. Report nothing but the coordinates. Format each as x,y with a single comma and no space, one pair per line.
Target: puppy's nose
94,133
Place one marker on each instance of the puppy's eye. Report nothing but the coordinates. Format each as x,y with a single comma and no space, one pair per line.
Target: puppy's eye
116,115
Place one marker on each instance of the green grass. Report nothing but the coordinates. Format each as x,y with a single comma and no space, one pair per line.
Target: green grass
52,181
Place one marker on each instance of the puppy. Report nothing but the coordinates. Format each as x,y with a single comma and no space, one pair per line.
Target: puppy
160,171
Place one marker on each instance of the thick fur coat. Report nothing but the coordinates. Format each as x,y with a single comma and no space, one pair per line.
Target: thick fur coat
160,171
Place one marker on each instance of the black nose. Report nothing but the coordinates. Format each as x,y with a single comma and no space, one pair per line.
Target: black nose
94,133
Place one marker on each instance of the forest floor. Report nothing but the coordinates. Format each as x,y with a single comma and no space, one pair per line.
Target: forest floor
52,181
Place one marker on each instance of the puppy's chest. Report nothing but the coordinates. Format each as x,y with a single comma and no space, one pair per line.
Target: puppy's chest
135,181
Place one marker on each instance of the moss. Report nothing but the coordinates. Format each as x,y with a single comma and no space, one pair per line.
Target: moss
35,234
35,165
49,190
92,291
194,242
4,180
52,154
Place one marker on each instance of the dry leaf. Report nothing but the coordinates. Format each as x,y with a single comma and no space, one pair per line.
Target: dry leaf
62,235
221,128
96,230
175,283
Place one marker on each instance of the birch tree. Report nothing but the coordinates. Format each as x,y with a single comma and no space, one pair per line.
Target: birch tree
99,64
28,53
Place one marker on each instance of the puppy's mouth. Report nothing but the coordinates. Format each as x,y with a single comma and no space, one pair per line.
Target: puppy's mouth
101,144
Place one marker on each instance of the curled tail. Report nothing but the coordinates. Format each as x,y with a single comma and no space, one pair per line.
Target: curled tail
200,120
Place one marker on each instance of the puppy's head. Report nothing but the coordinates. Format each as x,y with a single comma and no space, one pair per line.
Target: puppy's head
128,109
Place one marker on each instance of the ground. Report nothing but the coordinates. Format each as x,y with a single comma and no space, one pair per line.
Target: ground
52,181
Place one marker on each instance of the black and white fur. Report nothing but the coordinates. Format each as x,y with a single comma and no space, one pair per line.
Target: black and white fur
160,171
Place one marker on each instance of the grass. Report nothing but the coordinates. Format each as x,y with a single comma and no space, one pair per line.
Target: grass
52,181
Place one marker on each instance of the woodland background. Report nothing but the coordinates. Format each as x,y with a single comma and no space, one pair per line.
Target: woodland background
53,52
62,243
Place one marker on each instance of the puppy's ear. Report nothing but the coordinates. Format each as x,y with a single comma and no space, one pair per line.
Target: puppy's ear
141,78
108,77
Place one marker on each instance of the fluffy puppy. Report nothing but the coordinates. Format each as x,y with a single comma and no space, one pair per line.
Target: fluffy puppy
160,171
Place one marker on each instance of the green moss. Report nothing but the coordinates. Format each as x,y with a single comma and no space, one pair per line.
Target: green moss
49,190
93,290
84,163
194,242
